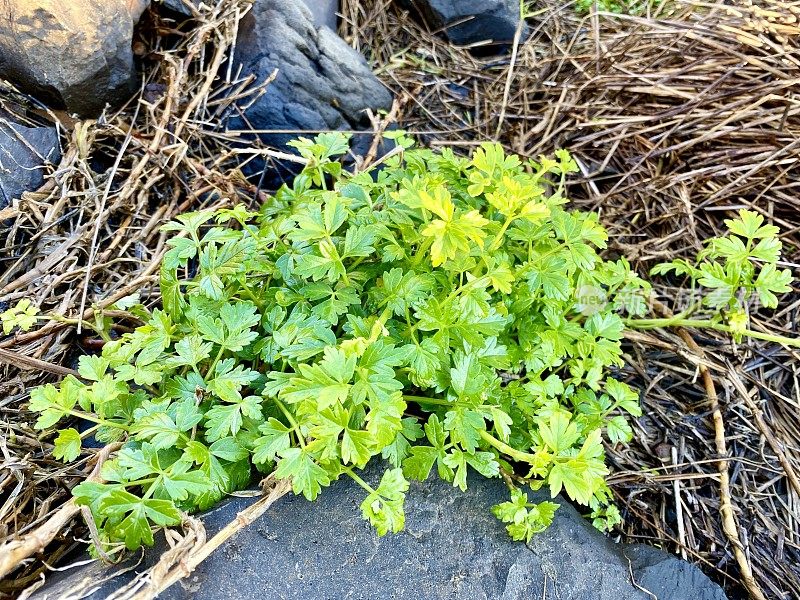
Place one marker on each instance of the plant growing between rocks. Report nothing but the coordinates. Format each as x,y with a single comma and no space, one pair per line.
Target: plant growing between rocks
442,313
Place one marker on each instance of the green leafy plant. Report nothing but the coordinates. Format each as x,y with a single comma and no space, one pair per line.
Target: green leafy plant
628,7
442,314
729,275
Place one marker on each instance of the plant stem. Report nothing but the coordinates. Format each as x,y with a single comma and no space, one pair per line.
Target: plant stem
411,327
422,251
292,422
90,431
210,370
360,481
90,417
517,455
426,400
383,319
138,482
499,237
678,321
77,322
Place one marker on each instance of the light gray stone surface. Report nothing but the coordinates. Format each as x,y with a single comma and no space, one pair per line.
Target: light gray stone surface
324,12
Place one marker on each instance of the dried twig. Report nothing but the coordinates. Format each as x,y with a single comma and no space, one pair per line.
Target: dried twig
729,525
13,553
27,363
185,557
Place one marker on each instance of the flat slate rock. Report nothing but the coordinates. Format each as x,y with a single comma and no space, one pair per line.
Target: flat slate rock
452,548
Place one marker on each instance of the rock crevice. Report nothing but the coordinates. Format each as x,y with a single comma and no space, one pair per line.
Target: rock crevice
24,152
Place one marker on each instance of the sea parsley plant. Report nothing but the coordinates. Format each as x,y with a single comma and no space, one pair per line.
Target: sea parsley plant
731,275
440,313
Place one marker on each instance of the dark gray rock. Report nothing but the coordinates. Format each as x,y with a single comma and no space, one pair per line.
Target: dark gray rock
179,6
666,572
452,547
75,55
469,21
324,12
24,151
322,83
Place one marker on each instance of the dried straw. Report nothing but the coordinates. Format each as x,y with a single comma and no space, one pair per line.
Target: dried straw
91,236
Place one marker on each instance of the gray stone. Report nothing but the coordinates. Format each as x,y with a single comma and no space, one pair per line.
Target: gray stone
452,548
136,8
324,12
322,83
75,54
666,572
24,151
179,6
469,21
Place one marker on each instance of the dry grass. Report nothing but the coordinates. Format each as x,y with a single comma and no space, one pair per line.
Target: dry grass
91,236
676,118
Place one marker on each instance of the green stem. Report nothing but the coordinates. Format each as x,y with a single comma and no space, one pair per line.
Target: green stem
508,450
292,422
149,491
672,321
357,262
321,175
498,239
98,420
76,322
252,297
411,327
138,482
426,400
422,252
383,319
359,481
90,431
678,321
210,370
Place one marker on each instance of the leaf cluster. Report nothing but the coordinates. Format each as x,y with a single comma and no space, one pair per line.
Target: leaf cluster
626,7
432,314
735,270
